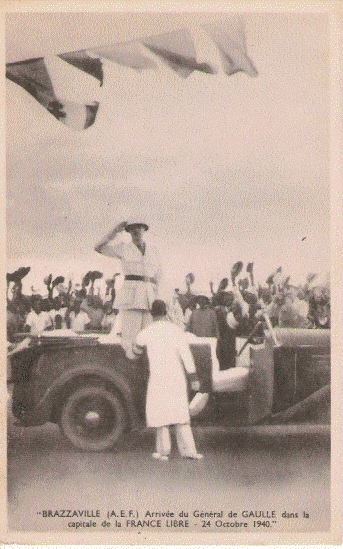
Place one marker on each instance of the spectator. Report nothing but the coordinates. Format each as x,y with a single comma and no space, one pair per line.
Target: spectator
81,294
92,305
58,321
235,317
37,321
300,303
223,284
236,269
295,309
273,309
322,316
110,316
175,313
189,280
192,305
64,300
203,321
319,308
17,291
186,298
265,297
77,319
226,344
15,322
60,312
288,316
253,307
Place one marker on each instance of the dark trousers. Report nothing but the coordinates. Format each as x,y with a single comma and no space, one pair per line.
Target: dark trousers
226,350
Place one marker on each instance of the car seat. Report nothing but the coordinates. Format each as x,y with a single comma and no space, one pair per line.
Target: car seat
224,381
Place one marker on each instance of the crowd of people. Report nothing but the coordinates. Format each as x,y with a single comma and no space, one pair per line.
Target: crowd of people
237,304
61,307
239,308
236,308
243,303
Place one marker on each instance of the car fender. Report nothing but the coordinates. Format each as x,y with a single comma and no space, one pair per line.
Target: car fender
48,406
316,405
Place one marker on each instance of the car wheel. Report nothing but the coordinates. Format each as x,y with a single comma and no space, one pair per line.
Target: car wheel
93,418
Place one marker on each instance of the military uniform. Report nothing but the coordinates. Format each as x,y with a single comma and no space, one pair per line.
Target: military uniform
142,274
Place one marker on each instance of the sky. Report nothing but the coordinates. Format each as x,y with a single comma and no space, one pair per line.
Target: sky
221,168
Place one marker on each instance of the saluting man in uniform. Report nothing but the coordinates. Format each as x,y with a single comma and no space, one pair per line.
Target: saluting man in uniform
142,273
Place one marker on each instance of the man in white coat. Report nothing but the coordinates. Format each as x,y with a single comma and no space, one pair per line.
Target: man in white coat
167,399
142,273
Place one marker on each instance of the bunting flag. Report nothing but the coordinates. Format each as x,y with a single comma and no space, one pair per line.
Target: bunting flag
230,40
83,61
33,76
75,115
176,49
128,54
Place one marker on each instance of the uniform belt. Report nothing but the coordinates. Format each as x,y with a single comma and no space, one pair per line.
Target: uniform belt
141,278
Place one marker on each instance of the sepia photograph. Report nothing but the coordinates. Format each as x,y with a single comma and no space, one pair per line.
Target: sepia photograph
171,223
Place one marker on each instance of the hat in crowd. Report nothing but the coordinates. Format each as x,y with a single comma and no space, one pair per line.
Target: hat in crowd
134,223
270,279
86,279
47,280
18,275
236,269
191,277
58,281
95,275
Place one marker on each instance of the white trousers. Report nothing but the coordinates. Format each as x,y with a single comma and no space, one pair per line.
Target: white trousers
184,439
133,321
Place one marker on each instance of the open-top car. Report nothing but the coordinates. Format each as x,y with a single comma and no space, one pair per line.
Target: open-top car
86,385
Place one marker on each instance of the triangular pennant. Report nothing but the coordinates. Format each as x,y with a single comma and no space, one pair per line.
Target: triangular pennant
177,50
83,61
230,40
127,54
33,76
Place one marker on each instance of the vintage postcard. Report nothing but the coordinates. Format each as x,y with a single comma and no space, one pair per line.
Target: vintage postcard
172,204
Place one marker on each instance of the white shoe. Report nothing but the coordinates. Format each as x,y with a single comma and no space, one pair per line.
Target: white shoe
160,457
193,456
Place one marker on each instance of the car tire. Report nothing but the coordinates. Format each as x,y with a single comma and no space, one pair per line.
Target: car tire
93,418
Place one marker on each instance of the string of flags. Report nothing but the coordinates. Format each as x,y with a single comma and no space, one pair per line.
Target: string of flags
175,49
